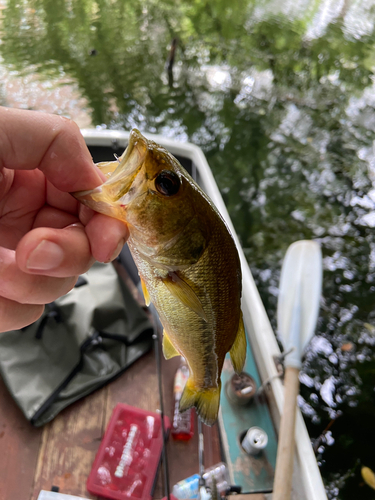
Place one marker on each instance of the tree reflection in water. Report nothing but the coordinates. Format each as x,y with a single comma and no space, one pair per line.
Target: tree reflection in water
280,97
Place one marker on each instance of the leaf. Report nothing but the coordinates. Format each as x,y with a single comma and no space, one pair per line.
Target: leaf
370,328
368,477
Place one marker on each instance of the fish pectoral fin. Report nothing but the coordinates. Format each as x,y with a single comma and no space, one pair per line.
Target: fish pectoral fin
238,349
206,401
180,289
169,349
145,293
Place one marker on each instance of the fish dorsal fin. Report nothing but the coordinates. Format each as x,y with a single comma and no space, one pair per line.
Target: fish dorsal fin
145,293
238,349
169,349
180,289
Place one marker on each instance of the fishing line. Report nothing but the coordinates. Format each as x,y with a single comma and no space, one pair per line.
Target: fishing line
165,457
201,453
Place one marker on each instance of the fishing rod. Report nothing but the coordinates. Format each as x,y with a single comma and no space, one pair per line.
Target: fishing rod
201,453
165,456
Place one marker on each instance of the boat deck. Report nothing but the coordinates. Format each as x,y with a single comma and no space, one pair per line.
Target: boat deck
61,453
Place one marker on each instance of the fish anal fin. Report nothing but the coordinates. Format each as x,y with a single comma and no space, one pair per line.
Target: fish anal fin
180,289
169,349
238,349
145,293
206,401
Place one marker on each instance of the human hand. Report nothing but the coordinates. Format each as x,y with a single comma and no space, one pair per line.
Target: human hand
46,237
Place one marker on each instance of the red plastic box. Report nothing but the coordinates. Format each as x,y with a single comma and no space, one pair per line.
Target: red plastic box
127,461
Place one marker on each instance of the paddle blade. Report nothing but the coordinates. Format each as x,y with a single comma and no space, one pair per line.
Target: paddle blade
299,297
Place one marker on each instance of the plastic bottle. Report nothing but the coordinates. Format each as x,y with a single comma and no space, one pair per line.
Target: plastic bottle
188,488
183,423
218,473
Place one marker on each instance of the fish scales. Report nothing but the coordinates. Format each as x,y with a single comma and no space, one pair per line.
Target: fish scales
218,295
187,261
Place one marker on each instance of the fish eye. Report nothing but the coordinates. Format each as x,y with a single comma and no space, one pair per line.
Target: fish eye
167,183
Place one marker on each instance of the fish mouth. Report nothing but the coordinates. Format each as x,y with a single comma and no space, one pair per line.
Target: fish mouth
111,197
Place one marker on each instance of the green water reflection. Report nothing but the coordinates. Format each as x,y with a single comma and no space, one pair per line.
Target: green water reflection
280,97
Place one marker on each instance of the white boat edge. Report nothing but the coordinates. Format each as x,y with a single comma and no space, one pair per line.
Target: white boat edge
307,480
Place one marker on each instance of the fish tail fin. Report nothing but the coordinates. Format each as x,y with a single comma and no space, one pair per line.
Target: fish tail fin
206,401
238,349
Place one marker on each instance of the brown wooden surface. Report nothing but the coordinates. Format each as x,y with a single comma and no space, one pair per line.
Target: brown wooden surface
19,445
253,496
62,452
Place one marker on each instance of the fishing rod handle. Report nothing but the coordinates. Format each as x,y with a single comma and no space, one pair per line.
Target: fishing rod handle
282,485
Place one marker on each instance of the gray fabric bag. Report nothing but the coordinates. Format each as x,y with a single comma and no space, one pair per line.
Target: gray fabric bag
83,340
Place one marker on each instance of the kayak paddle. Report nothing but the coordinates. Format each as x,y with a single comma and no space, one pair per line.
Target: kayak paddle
297,314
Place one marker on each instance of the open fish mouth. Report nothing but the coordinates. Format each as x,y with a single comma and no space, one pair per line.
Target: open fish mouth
113,195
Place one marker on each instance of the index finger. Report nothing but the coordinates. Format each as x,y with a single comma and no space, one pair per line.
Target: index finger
51,143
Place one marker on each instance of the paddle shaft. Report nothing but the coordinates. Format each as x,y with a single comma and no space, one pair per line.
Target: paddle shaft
282,486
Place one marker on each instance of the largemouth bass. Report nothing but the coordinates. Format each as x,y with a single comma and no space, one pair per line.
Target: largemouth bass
187,261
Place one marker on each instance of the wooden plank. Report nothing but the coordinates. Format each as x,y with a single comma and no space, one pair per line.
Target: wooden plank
183,455
62,452
19,442
69,445
71,440
251,496
139,387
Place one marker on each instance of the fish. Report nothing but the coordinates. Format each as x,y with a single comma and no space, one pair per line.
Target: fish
187,261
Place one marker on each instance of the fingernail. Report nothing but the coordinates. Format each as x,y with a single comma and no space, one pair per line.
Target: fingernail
117,251
47,255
